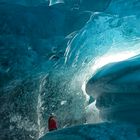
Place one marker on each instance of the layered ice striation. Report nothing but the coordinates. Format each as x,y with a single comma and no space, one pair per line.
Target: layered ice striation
116,90
115,84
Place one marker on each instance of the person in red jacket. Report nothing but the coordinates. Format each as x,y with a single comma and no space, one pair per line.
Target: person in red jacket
52,123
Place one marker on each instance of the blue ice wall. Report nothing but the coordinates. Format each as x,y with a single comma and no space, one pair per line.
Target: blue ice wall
26,2
32,46
116,90
49,53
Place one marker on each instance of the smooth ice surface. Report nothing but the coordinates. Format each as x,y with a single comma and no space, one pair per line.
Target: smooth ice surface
103,131
116,90
26,2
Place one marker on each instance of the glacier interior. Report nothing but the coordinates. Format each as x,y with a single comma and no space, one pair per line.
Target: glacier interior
79,59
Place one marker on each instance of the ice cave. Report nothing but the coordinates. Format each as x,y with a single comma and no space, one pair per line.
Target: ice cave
78,59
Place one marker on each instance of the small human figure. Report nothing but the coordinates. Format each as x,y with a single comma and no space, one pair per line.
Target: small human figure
52,123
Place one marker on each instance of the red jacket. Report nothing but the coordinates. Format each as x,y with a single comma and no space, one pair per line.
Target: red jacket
52,124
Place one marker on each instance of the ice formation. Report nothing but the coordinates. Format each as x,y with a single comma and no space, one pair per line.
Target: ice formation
76,58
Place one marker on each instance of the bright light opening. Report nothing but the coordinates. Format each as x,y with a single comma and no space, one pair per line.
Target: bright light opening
107,58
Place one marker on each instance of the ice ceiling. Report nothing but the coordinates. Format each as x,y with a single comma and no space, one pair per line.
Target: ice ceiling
66,57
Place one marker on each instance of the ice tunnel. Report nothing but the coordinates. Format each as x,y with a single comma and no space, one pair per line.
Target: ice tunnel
79,59
116,90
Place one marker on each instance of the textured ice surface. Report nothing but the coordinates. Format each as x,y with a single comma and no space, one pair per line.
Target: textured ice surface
49,53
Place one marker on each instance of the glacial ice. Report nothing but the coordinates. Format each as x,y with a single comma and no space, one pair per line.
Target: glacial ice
102,131
116,90
54,58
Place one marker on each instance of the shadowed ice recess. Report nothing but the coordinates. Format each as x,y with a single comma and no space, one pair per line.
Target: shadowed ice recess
79,59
